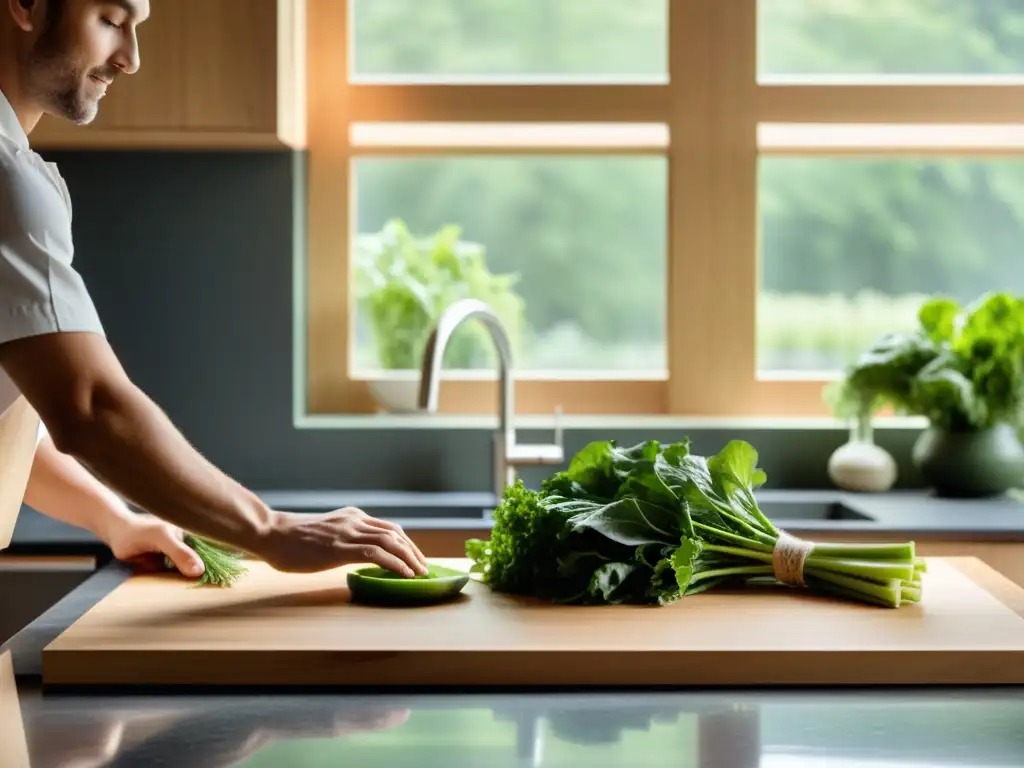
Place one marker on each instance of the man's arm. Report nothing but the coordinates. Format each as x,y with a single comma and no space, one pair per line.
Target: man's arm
53,347
95,414
63,489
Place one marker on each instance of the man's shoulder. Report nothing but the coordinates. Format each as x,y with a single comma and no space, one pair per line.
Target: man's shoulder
11,162
19,174
29,197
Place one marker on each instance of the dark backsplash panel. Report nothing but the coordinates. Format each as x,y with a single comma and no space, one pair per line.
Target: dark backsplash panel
189,258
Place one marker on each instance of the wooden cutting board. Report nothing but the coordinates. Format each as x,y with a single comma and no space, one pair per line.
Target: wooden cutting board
278,629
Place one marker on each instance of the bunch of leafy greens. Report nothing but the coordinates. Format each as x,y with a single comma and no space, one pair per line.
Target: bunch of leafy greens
961,368
650,523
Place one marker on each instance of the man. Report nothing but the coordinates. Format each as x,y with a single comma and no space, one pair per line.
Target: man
58,57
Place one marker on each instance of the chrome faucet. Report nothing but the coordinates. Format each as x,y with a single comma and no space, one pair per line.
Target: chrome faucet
508,454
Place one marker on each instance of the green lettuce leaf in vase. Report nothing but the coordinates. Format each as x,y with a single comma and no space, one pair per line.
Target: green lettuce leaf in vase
962,369
404,282
652,523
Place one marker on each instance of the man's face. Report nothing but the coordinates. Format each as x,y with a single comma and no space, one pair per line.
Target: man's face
81,47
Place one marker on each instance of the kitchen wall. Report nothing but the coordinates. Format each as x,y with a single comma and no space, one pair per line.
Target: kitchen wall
189,259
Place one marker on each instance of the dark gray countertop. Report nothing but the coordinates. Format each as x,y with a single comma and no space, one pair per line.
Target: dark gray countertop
27,645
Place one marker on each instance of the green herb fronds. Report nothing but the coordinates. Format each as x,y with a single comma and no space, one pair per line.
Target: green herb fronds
223,566
653,523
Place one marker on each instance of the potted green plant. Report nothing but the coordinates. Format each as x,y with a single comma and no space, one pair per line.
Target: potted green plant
403,285
961,368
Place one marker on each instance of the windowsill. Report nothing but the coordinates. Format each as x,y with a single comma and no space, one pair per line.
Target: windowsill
586,422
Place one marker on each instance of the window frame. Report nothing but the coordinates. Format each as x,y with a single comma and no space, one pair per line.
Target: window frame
713,105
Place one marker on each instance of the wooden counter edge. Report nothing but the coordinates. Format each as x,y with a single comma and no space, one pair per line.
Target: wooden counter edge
989,579
47,562
12,729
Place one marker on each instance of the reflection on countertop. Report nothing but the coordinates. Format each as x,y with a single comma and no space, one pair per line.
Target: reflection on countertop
720,730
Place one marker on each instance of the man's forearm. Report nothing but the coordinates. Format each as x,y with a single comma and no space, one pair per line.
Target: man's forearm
131,444
61,488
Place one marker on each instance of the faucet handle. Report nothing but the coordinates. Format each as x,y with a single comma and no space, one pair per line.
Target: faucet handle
521,455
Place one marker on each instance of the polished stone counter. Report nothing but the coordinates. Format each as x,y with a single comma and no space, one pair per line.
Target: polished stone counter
791,729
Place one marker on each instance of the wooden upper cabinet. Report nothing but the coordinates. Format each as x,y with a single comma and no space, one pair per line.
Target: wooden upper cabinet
214,73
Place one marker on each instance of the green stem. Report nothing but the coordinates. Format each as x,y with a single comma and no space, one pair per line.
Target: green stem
735,538
890,601
702,586
756,533
903,551
755,510
864,569
888,592
910,593
764,557
751,570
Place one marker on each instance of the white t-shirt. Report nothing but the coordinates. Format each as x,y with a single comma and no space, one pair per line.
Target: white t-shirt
40,292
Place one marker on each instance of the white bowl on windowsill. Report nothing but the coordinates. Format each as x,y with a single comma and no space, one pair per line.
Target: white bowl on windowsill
396,395
399,391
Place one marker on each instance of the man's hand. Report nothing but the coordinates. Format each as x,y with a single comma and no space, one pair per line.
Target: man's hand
145,540
309,543
62,488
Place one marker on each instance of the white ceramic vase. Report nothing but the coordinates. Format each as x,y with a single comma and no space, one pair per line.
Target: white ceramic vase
860,465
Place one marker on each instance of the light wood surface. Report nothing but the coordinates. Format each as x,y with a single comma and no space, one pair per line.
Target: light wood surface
278,629
19,432
13,748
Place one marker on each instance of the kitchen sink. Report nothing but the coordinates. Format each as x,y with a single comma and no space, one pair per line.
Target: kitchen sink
786,513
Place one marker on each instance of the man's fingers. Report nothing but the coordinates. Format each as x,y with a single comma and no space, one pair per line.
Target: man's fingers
378,556
183,557
395,544
396,528
147,562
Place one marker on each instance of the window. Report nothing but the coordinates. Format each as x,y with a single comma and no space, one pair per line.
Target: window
856,243
934,39
688,207
572,257
521,41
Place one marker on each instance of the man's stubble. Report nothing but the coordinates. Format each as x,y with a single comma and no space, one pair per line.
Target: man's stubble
54,79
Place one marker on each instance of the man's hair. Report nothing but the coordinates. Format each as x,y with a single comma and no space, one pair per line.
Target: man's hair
54,10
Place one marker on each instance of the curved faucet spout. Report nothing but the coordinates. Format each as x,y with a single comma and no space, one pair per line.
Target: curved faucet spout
437,344
507,453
